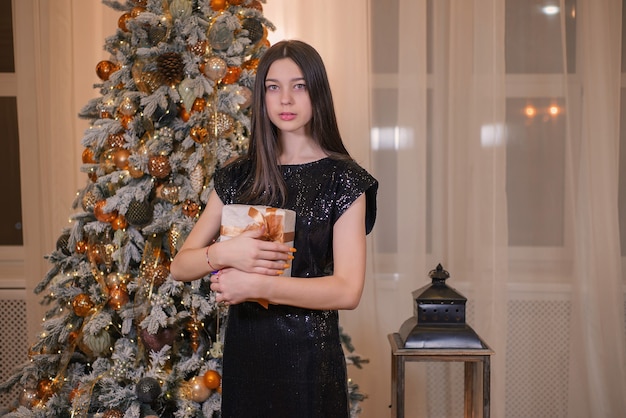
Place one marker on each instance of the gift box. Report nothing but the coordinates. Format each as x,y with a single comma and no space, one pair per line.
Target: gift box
279,225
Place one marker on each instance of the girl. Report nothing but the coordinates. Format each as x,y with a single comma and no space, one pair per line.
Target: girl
287,361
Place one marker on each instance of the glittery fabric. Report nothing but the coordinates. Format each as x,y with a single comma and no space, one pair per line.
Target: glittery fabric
287,362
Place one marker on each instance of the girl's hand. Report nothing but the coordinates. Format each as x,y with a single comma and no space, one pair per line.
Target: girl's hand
233,286
251,254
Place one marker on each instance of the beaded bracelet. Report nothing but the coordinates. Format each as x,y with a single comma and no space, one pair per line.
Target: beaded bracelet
206,253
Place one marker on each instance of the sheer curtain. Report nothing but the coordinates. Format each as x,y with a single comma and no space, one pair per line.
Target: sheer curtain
494,161
500,142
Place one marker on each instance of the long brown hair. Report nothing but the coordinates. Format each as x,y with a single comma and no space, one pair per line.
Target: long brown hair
266,184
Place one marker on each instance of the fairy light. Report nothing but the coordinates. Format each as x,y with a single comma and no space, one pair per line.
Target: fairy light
554,110
530,111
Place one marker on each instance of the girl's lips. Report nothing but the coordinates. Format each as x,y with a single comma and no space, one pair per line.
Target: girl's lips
287,116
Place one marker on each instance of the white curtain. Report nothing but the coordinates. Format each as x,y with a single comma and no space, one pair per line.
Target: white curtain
426,102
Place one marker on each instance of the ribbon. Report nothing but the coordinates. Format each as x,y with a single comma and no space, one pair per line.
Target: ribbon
271,221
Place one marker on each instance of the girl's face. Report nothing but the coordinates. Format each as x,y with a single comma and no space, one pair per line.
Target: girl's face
287,97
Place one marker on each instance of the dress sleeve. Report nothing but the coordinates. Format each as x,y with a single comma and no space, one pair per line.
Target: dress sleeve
353,182
228,179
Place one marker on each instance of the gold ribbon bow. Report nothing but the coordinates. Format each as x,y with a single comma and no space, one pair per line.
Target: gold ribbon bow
271,221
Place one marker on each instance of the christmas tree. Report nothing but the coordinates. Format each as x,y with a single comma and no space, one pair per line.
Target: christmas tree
121,338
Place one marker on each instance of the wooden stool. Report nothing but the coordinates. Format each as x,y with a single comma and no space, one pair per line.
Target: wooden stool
471,357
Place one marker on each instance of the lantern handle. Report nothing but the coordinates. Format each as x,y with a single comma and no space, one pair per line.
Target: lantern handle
439,275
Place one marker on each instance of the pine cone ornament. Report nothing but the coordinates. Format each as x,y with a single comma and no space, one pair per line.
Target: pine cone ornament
171,68
197,178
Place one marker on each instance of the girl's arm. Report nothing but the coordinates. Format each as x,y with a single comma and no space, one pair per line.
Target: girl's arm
244,252
342,290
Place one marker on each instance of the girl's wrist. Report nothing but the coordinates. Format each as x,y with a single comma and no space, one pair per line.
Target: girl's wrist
210,260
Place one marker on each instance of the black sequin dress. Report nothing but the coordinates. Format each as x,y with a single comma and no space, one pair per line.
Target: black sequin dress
287,362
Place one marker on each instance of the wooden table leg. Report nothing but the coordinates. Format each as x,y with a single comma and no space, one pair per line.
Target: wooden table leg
486,386
469,389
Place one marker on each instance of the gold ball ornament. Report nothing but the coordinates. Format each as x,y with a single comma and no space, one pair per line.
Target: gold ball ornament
45,389
120,158
199,134
122,22
136,11
198,392
104,69
116,140
251,64
215,68
212,379
87,156
113,413
135,171
169,192
82,304
125,120
159,166
232,75
101,215
128,107
199,48
105,114
81,247
246,93
118,297
198,105
28,397
183,113
190,208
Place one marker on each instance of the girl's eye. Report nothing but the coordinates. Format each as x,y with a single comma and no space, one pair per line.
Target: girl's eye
271,87
300,86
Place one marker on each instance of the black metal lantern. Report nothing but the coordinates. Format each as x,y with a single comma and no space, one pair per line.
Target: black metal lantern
439,317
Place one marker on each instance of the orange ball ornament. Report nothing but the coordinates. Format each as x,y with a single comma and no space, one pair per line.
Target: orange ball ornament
235,2
183,113
82,305
199,134
101,215
104,69
190,208
212,379
118,297
119,223
45,389
122,22
81,247
218,5
88,156
137,11
159,166
251,64
232,75
125,120
198,105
